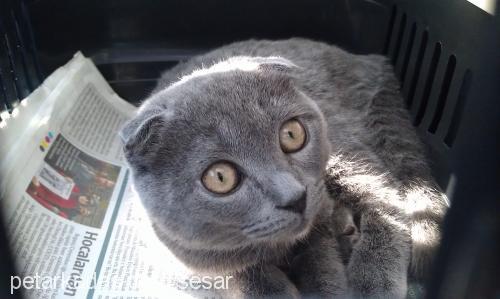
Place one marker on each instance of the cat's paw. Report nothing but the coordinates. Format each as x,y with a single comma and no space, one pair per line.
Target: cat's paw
378,267
318,271
372,279
319,278
262,282
368,283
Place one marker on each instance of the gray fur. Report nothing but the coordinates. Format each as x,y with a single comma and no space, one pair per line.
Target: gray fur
229,105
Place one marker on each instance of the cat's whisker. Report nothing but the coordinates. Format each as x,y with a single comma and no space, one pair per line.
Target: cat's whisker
266,226
247,226
268,233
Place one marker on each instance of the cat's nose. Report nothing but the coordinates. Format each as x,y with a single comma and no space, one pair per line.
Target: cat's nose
295,204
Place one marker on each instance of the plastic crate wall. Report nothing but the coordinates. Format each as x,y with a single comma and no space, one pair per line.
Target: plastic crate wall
446,54
19,69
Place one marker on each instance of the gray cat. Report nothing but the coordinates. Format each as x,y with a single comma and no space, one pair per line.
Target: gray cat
291,165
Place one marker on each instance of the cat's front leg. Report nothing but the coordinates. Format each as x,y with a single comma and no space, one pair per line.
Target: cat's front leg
262,281
378,266
318,271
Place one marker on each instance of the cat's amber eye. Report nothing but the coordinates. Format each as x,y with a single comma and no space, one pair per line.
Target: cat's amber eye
292,136
221,178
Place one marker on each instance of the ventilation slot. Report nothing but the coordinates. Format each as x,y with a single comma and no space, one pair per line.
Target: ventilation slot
390,29
28,50
399,40
21,53
7,68
459,109
19,69
443,95
418,67
428,84
29,40
406,60
3,95
6,72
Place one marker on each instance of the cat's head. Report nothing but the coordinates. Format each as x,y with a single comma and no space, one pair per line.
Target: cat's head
230,156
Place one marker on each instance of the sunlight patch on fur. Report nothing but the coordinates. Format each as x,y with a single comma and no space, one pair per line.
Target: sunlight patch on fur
417,200
238,63
398,224
420,235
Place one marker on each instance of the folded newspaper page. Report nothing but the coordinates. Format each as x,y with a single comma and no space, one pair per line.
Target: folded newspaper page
75,225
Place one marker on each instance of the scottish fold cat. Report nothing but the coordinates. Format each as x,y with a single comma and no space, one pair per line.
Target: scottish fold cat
291,165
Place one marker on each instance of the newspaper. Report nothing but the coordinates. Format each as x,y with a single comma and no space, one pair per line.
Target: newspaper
74,222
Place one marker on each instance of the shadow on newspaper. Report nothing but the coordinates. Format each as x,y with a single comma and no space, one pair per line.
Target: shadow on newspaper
74,185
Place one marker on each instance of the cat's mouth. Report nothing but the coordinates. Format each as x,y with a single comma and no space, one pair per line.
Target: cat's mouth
288,225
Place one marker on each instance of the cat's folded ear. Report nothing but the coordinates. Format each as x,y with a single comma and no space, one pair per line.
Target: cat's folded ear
274,63
142,131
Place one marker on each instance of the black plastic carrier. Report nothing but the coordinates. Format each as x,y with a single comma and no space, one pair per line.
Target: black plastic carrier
445,52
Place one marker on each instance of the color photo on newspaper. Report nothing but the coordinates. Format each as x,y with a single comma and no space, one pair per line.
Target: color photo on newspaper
73,184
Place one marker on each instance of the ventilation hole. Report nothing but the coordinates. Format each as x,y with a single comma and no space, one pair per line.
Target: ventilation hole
406,60
3,95
459,109
13,75
428,84
390,29
418,67
402,27
30,41
28,84
443,95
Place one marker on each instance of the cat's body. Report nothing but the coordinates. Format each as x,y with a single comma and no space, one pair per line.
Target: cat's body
231,110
